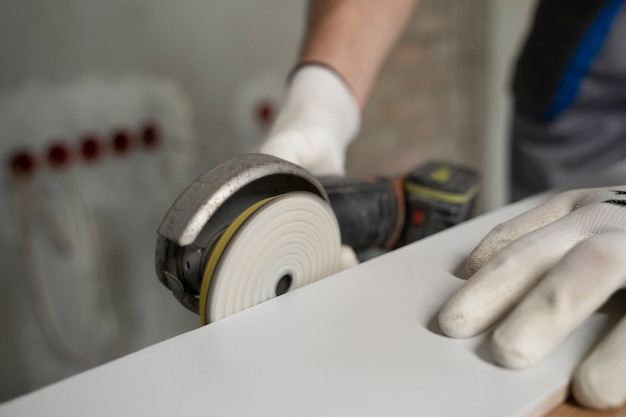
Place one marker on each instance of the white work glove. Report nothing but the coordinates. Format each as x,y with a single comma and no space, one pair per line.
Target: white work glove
551,268
317,122
314,127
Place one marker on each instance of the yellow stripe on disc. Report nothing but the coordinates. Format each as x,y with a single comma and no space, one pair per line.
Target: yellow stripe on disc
280,242
217,253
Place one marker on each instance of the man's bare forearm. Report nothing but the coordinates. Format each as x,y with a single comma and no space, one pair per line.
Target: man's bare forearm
354,37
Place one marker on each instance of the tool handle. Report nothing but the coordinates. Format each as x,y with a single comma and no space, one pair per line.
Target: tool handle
369,212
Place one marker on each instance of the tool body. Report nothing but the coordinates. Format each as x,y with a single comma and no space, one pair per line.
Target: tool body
391,212
216,246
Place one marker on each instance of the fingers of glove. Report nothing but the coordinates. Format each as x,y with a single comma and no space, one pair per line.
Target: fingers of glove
316,123
599,382
576,287
319,96
505,279
505,233
347,258
310,148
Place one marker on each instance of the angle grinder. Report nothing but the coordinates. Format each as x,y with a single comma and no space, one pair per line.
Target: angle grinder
256,226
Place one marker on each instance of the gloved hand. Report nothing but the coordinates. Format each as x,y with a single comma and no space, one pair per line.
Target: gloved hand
551,267
314,127
317,122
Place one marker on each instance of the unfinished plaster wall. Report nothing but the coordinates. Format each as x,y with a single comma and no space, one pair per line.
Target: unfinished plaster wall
428,102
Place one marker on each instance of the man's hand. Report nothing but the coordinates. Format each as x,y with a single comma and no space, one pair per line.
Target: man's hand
547,270
322,112
314,128
316,124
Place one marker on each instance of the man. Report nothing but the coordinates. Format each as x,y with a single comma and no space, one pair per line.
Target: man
550,268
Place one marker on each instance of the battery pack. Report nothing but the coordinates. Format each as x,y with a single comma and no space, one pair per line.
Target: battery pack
438,195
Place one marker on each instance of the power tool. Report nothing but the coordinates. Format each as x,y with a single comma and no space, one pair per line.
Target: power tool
389,213
257,226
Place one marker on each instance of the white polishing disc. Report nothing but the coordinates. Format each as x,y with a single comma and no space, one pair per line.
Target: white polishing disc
279,244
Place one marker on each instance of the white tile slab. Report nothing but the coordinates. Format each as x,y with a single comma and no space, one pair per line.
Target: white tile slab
361,343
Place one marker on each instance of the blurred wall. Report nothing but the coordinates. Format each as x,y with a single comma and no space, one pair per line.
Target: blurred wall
429,101
77,243
444,93
229,55
507,23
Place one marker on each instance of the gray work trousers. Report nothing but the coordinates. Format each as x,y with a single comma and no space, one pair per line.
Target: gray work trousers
586,137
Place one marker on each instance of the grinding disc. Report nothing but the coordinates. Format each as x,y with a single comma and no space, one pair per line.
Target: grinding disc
276,245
